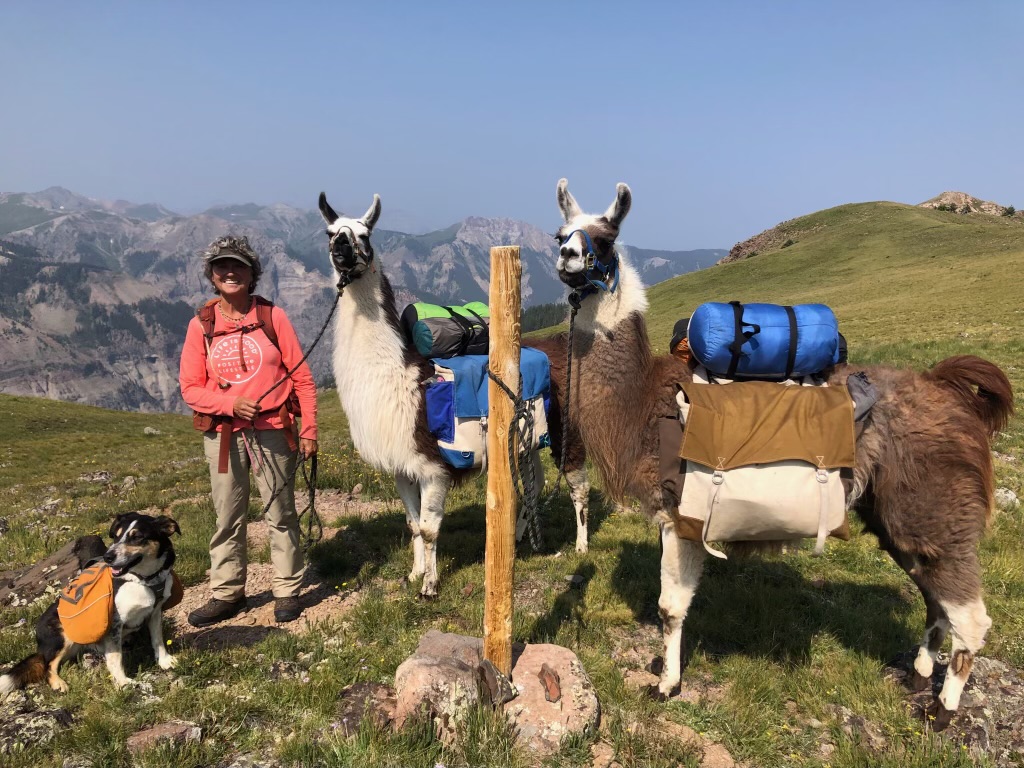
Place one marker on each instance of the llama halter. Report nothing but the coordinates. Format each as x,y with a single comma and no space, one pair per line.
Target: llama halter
363,259
597,275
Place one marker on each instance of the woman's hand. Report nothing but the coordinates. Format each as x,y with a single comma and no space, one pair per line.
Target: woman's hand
307,447
244,408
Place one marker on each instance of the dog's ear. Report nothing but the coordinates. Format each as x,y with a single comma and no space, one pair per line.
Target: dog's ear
167,525
120,523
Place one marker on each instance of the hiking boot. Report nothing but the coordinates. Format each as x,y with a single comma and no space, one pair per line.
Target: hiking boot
216,611
286,609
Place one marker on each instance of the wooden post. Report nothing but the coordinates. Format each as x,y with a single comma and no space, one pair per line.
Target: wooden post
499,558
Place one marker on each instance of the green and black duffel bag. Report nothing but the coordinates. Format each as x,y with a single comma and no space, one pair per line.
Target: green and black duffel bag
439,331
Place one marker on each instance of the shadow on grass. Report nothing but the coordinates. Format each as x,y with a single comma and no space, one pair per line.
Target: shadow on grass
567,609
766,608
365,546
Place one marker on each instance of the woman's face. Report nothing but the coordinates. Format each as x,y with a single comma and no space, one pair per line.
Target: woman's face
231,277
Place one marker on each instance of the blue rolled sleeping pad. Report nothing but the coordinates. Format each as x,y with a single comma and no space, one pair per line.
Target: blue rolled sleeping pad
764,341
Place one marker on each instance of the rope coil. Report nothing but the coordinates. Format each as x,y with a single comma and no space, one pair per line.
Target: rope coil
520,458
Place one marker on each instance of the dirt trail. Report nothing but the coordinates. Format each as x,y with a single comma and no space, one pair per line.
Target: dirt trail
322,600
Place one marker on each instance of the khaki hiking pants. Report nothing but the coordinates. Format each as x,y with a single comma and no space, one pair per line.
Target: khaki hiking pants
274,464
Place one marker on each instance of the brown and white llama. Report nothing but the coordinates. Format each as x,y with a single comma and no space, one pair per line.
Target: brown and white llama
380,383
923,481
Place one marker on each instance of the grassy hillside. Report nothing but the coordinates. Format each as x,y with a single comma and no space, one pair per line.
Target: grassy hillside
893,274
778,646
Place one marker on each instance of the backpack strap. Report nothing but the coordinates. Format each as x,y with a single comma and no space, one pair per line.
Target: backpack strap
740,338
264,319
206,319
466,326
791,357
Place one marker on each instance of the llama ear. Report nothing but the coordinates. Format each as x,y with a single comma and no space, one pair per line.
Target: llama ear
372,213
566,202
326,211
617,211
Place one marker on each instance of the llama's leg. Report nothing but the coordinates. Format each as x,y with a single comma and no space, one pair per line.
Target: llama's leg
968,623
936,623
935,631
409,493
579,490
682,563
433,492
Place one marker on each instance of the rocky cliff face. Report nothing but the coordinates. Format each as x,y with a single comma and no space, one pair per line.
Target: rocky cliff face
95,296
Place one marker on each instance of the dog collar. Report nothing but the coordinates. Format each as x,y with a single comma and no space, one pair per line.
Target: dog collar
157,579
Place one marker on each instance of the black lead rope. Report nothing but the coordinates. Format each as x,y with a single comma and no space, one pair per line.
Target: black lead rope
314,525
520,458
311,527
574,302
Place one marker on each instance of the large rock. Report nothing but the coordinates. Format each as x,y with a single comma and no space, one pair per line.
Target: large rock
446,676
542,724
440,680
23,726
26,585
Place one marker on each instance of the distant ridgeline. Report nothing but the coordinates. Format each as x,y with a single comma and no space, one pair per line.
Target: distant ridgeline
95,295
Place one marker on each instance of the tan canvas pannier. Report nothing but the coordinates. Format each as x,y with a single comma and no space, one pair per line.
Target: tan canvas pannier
763,461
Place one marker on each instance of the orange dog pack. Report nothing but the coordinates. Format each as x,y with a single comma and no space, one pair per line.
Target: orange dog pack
86,606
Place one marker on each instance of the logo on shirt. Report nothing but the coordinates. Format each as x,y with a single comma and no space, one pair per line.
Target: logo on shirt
227,361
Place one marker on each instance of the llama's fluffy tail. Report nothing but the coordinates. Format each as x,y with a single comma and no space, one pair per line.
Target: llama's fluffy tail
981,385
25,672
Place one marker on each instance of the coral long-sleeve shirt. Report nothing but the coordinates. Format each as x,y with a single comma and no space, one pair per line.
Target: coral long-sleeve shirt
246,365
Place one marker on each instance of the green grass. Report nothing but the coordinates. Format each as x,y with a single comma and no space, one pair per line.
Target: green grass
783,640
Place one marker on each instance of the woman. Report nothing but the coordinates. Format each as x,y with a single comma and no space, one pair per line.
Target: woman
236,349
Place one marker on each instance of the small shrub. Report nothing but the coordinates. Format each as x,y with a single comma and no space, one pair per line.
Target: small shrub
788,243
1009,210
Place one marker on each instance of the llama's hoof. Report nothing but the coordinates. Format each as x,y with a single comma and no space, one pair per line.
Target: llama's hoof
654,693
919,682
938,716
428,597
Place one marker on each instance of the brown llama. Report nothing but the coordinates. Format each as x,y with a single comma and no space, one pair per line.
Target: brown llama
923,480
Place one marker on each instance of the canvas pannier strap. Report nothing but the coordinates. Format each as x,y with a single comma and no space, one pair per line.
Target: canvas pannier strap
748,423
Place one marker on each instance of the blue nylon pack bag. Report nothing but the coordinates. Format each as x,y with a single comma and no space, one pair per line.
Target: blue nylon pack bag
457,404
764,341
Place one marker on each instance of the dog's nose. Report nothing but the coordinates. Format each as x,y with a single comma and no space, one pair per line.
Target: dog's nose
109,556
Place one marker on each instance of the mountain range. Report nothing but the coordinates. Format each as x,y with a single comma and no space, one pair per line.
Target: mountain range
95,295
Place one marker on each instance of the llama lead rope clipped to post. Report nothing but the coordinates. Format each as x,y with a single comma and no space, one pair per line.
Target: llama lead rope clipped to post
524,479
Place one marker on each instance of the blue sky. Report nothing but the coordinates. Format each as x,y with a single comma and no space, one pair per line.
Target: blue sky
724,117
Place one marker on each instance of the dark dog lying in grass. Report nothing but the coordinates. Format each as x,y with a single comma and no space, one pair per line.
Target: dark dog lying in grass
139,564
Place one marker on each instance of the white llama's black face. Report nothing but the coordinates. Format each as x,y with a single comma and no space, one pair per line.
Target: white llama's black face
585,240
350,248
